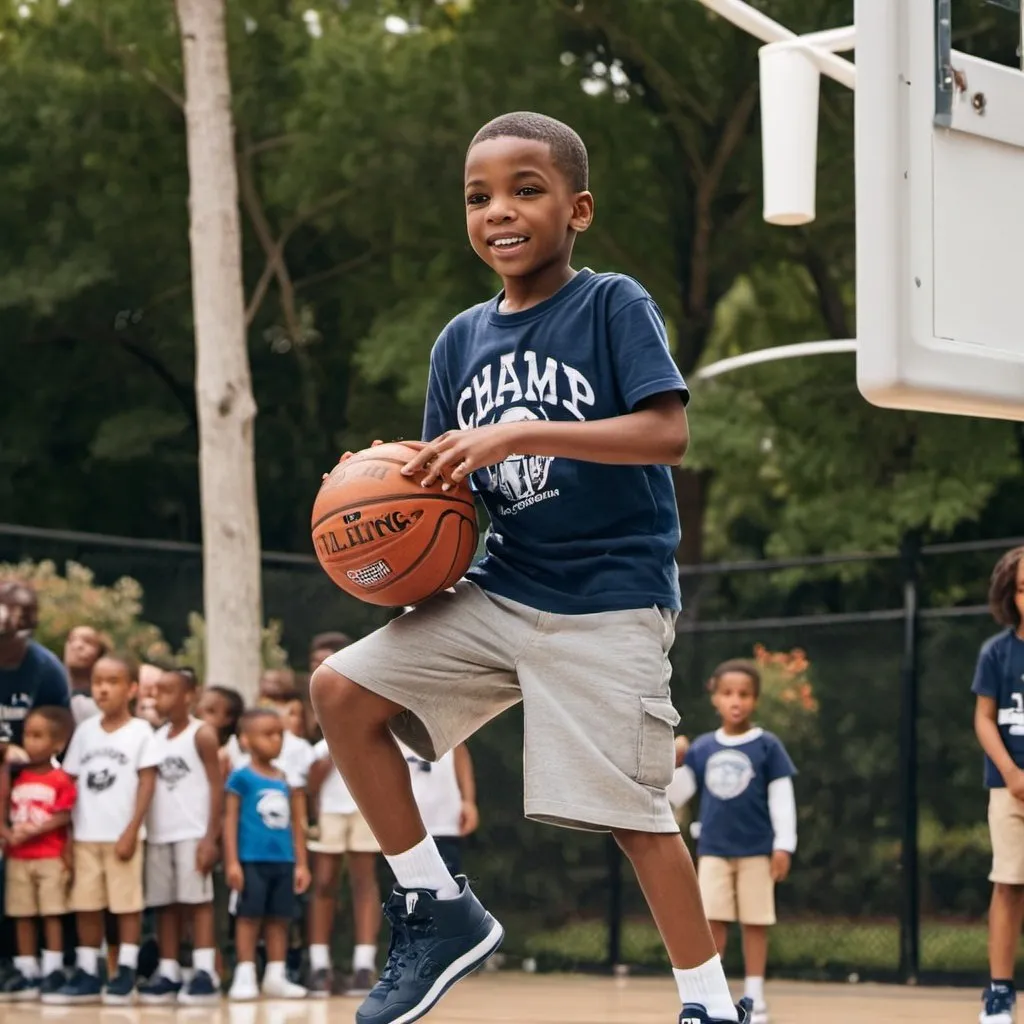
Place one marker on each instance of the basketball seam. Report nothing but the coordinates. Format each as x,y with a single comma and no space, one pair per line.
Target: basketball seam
389,497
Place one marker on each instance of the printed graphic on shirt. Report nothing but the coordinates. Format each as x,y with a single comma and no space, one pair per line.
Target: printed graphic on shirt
32,803
272,807
100,780
1013,716
507,392
15,709
728,774
172,769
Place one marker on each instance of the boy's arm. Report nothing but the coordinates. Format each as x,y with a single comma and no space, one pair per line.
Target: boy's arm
124,848
655,433
209,755
683,786
318,772
469,819
298,802
986,727
232,866
782,811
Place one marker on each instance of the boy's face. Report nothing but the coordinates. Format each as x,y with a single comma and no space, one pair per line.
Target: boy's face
213,710
264,737
734,698
172,696
38,740
521,214
293,715
82,648
112,686
275,683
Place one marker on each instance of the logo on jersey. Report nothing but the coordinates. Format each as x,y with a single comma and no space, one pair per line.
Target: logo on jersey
728,773
100,781
1013,716
172,770
272,807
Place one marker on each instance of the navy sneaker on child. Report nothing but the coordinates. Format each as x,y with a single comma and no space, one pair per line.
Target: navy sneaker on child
695,1013
81,987
159,991
202,990
434,943
18,988
53,982
120,990
998,1003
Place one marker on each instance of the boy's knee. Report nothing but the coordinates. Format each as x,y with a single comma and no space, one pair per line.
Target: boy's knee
1008,893
633,843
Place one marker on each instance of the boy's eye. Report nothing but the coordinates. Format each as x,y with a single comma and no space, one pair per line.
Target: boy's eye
529,190
476,199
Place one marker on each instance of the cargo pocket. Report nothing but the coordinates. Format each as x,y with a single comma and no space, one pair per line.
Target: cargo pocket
657,760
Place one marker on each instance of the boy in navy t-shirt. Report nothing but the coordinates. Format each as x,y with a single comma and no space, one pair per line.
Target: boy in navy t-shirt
264,857
999,723
560,399
747,820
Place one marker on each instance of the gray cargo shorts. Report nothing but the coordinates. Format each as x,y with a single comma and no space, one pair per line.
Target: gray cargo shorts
599,722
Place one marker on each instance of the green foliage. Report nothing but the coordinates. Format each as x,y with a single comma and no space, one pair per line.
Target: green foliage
192,653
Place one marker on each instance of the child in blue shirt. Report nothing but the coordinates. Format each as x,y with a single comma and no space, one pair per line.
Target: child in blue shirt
999,723
264,857
747,820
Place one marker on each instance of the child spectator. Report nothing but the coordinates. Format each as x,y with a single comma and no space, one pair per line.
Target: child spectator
145,699
82,649
221,707
183,829
264,857
747,820
110,757
37,799
293,715
999,724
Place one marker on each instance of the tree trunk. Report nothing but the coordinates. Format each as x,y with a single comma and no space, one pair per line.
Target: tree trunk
227,473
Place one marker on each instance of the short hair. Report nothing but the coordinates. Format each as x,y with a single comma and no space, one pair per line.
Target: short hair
741,665
568,153
60,721
335,641
128,661
250,715
184,673
1002,589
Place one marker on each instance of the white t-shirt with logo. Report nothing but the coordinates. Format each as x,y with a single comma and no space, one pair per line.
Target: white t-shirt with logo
436,789
107,765
334,795
295,760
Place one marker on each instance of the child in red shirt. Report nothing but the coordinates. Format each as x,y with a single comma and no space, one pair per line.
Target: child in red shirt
37,801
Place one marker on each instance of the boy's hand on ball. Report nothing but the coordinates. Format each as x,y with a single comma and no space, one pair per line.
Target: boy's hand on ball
780,865
457,453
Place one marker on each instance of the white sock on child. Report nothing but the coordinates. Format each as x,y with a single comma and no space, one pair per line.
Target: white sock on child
87,959
707,985
319,957
53,960
128,955
27,966
274,972
364,958
753,988
422,867
205,960
171,970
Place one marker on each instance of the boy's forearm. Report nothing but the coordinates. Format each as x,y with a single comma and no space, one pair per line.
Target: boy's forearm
464,775
992,743
143,798
299,827
216,823
57,821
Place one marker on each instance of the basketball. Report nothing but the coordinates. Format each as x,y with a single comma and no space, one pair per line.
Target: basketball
383,537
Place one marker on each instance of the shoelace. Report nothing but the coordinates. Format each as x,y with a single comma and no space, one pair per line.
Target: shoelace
407,929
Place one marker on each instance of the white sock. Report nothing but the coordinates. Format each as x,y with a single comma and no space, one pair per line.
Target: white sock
364,958
87,959
707,985
53,960
205,960
753,988
422,867
274,972
319,957
27,966
170,969
128,955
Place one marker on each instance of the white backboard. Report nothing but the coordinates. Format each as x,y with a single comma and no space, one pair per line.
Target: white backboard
940,218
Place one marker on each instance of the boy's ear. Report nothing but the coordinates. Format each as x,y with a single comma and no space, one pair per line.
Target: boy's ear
582,211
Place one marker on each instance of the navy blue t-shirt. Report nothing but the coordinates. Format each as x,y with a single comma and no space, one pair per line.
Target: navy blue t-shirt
1000,675
264,817
566,536
733,780
39,681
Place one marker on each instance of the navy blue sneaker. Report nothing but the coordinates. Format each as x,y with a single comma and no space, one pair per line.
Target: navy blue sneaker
53,982
81,987
120,990
695,1013
159,991
434,944
19,989
998,1003
202,990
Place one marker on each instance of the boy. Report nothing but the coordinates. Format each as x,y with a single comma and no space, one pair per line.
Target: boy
82,649
109,757
561,400
747,820
182,832
999,723
264,857
37,798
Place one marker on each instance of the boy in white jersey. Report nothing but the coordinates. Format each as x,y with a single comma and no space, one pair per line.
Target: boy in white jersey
109,755
183,831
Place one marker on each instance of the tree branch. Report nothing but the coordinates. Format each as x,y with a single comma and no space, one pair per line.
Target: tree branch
134,65
336,271
266,145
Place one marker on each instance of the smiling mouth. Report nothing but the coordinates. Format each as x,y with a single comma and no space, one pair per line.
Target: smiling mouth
508,243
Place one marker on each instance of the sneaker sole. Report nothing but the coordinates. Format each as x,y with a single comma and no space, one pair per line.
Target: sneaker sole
455,972
57,1000
995,1018
208,1000
20,997
168,1000
108,1000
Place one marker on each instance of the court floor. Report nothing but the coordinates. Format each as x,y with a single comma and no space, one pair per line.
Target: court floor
555,999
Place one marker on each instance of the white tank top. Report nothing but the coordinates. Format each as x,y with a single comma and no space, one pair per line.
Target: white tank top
181,803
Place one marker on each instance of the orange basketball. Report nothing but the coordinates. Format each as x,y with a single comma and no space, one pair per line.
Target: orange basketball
386,539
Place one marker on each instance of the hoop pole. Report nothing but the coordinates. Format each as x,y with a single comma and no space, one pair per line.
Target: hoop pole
770,355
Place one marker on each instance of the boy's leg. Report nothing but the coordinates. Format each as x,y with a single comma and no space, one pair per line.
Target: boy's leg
326,874
1005,918
755,899
193,893
26,960
124,890
366,913
244,984
280,913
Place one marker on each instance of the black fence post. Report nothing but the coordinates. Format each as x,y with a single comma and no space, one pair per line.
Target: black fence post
614,903
910,917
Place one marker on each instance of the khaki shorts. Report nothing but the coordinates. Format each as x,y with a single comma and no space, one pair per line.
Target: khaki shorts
105,882
343,833
598,746
737,889
1006,824
171,875
36,888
